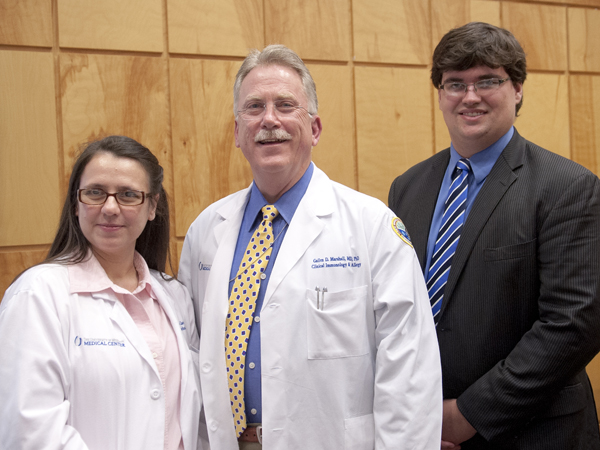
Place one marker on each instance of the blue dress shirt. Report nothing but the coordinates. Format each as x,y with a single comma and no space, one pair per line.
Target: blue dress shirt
481,165
286,205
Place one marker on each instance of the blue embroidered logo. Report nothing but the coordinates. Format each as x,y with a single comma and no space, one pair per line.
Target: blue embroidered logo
99,342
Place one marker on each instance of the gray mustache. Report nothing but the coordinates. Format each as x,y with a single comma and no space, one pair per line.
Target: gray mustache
278,134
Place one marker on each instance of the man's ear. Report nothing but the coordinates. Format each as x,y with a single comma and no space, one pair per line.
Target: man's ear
317,128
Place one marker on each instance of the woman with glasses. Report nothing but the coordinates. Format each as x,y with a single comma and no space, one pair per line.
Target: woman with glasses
98,347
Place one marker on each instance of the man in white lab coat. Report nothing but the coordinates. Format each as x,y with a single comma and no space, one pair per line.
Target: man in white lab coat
342,351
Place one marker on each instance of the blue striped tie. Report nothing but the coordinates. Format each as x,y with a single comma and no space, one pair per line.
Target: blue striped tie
447,240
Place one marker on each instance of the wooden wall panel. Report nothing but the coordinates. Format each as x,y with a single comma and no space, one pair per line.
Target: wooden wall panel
542,32
111,24
485,11
585,121
447,15
391,31
315,29
205,159
29,185
227,27
593,370
544,117
26,22
114,94
584,40
393,115
15,262
568,2
336,152
177,255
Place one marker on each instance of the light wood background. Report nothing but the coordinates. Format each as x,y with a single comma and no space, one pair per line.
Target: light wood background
161,72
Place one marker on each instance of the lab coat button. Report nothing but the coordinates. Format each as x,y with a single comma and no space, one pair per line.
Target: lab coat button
214,425
206,367
257,318
252,365
253,411
155,394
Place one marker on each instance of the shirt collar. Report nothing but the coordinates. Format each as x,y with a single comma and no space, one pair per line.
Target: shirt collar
483,161
89,276
287,203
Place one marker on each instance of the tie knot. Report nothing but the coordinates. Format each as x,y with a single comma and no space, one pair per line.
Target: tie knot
463,164
269,212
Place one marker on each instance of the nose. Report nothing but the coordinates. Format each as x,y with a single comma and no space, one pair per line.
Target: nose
471,95
111,206
270,118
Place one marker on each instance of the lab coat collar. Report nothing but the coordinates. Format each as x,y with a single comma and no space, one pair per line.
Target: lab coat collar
89,276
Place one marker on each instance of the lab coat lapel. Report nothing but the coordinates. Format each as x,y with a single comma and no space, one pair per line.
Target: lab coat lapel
226,235
306,225
121,317
184,352
501,177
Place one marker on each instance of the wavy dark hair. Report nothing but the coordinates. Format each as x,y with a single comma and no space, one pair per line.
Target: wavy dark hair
70,245
479,44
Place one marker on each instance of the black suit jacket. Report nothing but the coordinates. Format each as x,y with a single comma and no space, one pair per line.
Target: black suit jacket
520,318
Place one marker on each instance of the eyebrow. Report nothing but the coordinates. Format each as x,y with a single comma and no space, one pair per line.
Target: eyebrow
104,188
280,96
479,78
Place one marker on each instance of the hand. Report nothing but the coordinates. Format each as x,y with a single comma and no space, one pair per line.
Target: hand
455,428
449,446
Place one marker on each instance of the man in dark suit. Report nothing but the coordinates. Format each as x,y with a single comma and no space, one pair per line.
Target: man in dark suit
514,274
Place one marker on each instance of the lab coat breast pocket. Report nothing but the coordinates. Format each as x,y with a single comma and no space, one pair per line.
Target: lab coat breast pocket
337,326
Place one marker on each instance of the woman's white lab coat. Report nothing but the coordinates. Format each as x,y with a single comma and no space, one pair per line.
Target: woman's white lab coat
359,371
75,372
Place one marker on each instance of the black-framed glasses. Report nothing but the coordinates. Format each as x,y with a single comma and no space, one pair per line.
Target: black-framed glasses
482,87
283,108
97,196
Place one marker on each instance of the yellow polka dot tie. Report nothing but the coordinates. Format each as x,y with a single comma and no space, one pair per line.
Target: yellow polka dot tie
242,302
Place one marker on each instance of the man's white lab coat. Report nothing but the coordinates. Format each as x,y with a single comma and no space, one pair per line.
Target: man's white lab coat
362,371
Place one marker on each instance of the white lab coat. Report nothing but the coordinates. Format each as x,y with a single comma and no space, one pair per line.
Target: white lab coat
76,373
362,373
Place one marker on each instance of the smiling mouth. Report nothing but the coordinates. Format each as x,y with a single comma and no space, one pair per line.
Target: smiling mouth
272,141
472,114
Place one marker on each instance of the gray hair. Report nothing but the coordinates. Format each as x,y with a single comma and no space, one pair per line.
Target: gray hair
282,56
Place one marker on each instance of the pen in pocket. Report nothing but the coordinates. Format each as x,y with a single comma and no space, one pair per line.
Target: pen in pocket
320,297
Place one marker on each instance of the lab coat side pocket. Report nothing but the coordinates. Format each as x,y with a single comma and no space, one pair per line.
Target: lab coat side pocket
337,325
359,433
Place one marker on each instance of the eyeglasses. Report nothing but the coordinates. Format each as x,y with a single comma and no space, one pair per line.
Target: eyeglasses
482,87
97,196
284,108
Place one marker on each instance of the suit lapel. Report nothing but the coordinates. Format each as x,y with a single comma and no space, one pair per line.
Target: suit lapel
422,214
501,177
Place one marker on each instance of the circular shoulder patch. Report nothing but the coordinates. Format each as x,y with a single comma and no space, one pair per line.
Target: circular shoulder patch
400,230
